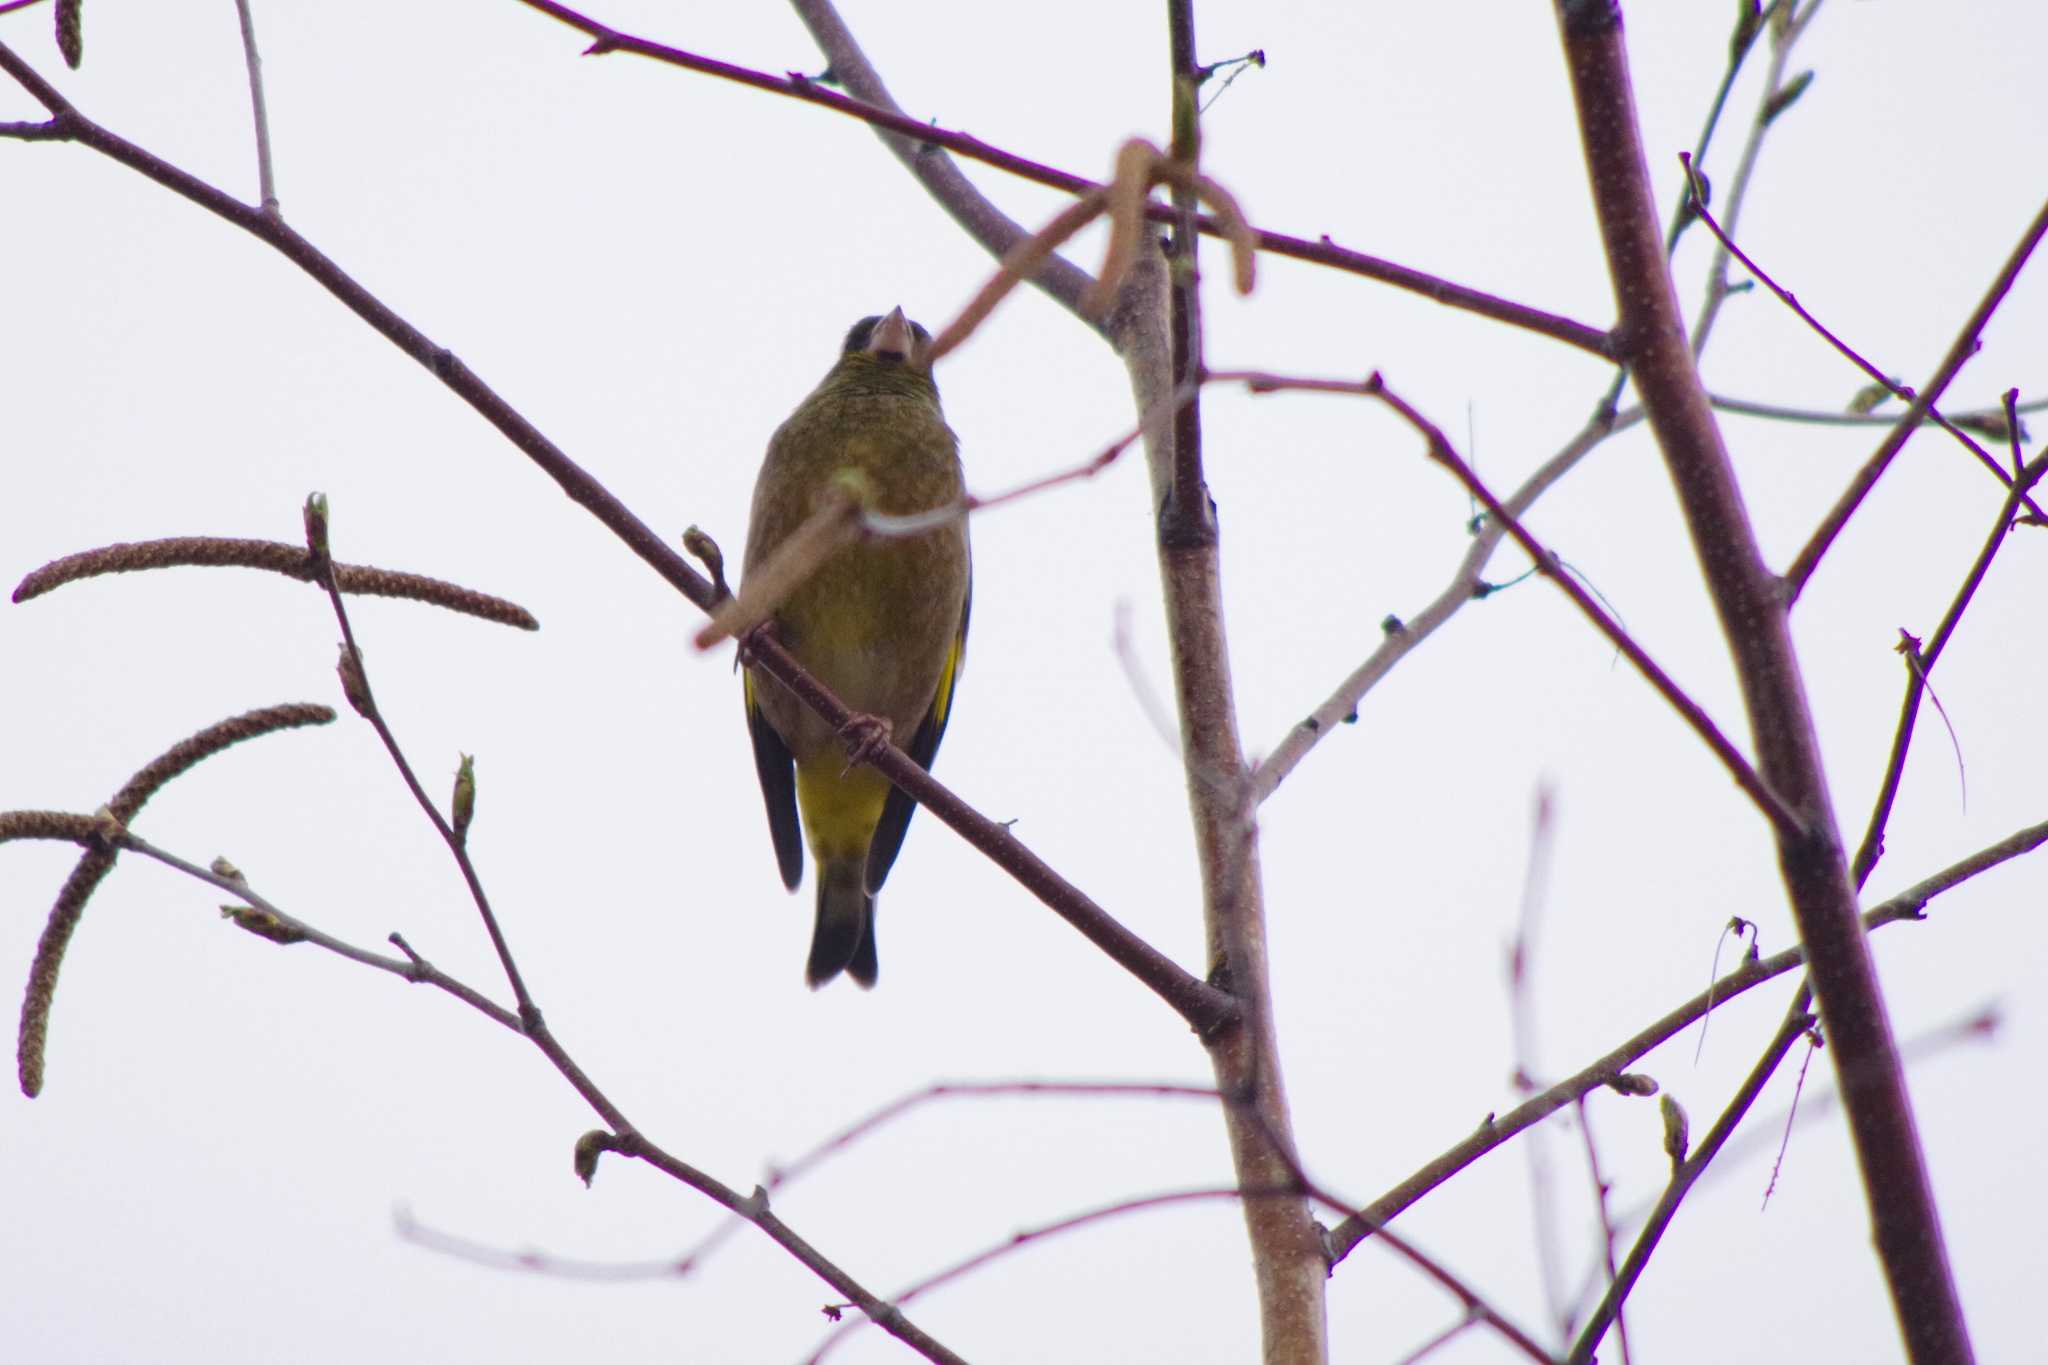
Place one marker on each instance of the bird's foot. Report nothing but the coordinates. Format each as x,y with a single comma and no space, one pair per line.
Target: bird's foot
765,630
865,736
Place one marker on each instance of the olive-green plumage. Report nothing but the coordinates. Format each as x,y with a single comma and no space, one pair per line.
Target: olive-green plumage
883,623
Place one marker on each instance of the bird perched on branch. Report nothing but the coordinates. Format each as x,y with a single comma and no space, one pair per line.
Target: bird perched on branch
882,622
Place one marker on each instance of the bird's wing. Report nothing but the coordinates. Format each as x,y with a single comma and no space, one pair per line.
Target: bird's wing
778,789
882,849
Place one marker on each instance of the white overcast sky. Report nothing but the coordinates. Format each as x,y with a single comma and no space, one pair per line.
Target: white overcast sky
654,267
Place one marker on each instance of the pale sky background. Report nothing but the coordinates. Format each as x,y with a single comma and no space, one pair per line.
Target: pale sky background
654,267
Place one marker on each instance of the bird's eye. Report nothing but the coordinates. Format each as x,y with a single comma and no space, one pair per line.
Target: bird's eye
857,339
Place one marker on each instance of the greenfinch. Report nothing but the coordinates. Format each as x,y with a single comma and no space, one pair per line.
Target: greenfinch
882,622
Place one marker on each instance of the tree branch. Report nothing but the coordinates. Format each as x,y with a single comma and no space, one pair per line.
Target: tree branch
1922,663
1910,904
873,107
1751,608
1203,1006
624,1138
1403,634
1841,347
1547,564
1965,345
1288,1260
1684,1173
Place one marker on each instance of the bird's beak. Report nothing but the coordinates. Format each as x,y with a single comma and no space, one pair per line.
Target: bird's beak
892,337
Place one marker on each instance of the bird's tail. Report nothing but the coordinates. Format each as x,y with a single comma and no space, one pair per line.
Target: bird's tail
844,939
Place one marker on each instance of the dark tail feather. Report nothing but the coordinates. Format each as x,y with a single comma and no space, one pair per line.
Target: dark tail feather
844,940
864,968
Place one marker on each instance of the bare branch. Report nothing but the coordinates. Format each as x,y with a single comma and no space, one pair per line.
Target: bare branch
1403,634
356,683
1965,346
1203,1006
1784,37
1797,1021
1990,421
1843,348
1921,661
1441,452
907,138
1752,609
266,178
624,1138
1612,1069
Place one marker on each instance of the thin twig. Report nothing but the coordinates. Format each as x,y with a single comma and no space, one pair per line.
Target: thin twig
1030,1236
1784,36
411,967
1440,1340
624,1138
1791,1116
1612,1068
1748,23
1544,1222
1404,634
1797,1021
1843,348
356,682
1475,1304
904,524
834,525
1964,346
1441,452
265,177
1401,635
1922,662
868,1124
916,134
1990,421
531,1261
1601,1189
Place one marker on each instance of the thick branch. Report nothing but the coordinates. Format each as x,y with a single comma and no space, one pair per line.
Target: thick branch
1752,613
1288,1260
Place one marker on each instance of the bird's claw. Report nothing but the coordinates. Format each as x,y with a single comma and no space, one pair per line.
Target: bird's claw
865,736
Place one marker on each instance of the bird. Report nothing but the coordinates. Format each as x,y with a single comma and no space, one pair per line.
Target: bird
882,622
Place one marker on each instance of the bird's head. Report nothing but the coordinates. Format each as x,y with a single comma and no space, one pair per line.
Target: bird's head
887,352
